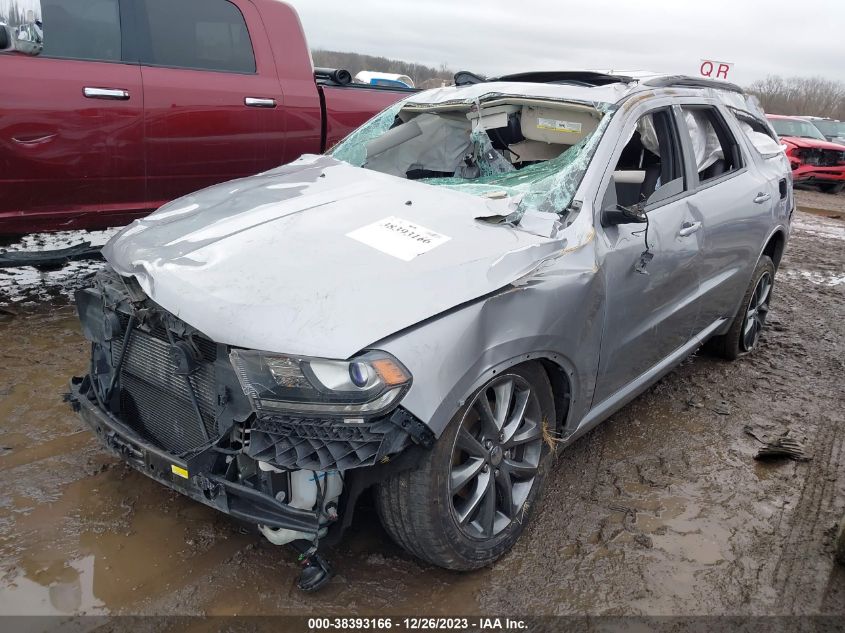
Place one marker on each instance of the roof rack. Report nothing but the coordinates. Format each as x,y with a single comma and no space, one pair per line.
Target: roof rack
576,77
684,81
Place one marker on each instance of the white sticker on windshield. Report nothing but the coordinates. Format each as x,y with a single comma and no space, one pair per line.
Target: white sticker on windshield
399,238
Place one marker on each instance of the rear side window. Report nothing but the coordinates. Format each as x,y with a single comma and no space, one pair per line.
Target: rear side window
80,29
760,135
714,146
201,34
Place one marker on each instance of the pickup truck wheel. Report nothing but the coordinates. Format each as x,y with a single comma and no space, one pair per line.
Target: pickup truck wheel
745,330
471,496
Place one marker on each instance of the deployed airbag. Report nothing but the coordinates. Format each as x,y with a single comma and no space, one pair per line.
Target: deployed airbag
705,143
441,146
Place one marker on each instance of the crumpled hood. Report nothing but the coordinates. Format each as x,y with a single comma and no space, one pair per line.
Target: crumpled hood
267,262
811,143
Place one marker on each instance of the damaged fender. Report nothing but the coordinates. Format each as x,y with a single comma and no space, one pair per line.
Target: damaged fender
555,307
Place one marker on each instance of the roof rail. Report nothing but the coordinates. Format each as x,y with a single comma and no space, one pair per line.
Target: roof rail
588,78
684,81
585,78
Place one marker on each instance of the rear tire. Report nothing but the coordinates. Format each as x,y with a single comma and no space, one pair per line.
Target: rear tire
744,334
472,494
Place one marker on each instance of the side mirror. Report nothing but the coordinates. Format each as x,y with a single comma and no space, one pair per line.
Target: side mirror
613,213
623,215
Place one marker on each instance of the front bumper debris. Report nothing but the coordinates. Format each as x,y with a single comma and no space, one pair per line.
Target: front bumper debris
292,442
818,174
191,477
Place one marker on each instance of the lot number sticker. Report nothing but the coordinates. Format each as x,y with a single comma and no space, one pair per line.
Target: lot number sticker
399,238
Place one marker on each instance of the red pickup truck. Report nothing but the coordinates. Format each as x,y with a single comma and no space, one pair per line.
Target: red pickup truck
114,107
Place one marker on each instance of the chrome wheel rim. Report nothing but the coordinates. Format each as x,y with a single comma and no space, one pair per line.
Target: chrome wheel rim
756,312
495,457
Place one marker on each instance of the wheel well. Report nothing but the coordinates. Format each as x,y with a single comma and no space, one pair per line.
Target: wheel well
774,249
560,389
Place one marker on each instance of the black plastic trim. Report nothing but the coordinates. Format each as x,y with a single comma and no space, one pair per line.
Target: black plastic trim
231,498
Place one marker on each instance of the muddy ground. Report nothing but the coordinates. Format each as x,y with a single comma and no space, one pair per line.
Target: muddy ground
661,510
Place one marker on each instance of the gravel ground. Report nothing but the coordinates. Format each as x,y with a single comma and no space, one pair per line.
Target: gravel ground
661,510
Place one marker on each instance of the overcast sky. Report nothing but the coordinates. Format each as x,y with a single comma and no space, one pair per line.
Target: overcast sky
496,36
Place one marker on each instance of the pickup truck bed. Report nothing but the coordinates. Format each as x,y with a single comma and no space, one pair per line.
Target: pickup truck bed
154,99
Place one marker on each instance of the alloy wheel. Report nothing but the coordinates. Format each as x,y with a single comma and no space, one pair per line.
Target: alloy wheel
496,457
756,312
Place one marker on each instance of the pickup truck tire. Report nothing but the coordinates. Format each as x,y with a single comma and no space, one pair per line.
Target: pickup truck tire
421,509
744,334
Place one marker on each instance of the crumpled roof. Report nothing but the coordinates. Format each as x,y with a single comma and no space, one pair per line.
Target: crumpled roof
611,93
599,94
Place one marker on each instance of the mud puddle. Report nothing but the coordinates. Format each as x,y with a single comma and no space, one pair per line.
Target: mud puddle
661,510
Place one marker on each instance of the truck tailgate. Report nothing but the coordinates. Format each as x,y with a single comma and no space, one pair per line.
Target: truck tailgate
347,107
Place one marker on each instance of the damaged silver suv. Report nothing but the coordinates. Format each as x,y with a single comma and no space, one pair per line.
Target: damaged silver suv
467,283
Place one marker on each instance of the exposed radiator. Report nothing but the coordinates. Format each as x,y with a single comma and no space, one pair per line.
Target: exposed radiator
156,402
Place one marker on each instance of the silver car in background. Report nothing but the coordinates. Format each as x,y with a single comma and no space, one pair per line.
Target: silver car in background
470,281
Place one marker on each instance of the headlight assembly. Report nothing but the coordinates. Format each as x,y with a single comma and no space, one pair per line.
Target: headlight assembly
365,386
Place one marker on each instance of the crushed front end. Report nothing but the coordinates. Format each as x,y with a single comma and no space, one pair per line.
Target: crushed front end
243,431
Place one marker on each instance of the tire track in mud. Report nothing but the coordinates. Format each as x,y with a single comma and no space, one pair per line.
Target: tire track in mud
802,530
804,538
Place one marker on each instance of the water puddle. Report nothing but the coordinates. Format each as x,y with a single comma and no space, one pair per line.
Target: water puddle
819,278
27,285
64,590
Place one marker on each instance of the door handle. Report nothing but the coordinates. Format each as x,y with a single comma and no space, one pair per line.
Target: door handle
117,94
761,197
259,102
688,228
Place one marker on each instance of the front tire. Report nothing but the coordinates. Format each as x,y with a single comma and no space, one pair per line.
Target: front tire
469,499
745,330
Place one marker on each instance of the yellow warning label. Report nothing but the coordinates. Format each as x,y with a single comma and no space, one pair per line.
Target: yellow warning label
177,470
571,127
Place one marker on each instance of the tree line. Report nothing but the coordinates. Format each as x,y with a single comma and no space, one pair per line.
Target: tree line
802,96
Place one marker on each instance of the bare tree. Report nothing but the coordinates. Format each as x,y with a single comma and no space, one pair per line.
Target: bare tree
807,96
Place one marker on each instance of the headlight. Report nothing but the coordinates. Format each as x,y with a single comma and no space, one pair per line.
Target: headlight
364,386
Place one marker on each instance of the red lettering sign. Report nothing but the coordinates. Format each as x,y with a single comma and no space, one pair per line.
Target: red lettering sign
714,69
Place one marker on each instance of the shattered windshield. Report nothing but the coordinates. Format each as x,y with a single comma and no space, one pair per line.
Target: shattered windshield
534,152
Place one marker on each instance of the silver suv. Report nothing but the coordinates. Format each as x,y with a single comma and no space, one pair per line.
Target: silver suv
467,283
